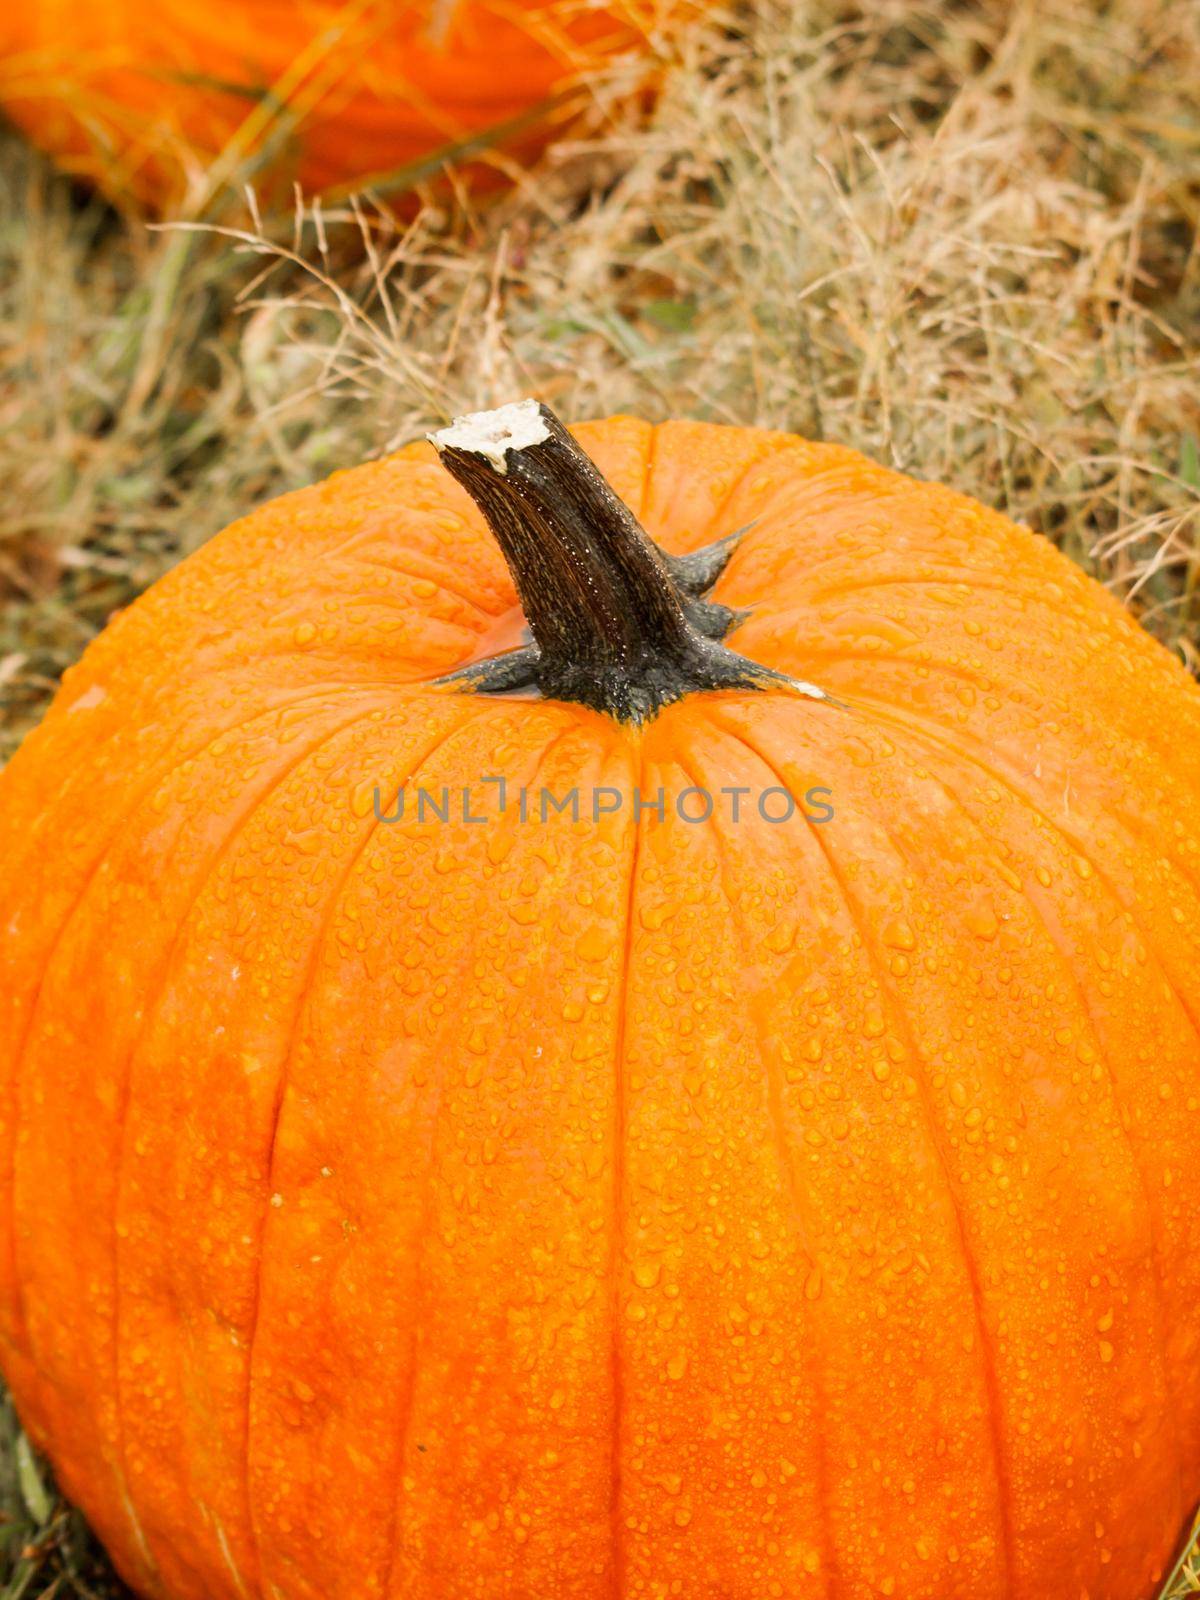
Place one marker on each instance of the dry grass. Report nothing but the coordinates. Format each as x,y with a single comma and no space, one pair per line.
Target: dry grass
960,237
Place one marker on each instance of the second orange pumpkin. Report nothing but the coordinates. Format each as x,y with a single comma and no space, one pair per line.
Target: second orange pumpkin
143,97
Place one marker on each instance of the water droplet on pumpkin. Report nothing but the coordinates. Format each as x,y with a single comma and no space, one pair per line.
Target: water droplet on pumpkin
653,918
1010,877
594,944
499,845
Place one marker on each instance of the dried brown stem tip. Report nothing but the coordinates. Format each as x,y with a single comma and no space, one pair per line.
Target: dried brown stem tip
616,624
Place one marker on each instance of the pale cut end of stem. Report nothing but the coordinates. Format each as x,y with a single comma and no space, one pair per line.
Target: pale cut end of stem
492,434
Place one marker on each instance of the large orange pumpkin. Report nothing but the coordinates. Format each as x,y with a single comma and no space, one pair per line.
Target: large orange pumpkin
144,95
622,1205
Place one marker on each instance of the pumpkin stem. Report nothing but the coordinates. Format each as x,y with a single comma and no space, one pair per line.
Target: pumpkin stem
614,622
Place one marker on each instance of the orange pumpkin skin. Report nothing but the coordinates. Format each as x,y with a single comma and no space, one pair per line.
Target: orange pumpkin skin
141,96
611,1208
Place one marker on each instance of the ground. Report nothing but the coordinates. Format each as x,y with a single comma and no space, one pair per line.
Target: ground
961,237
